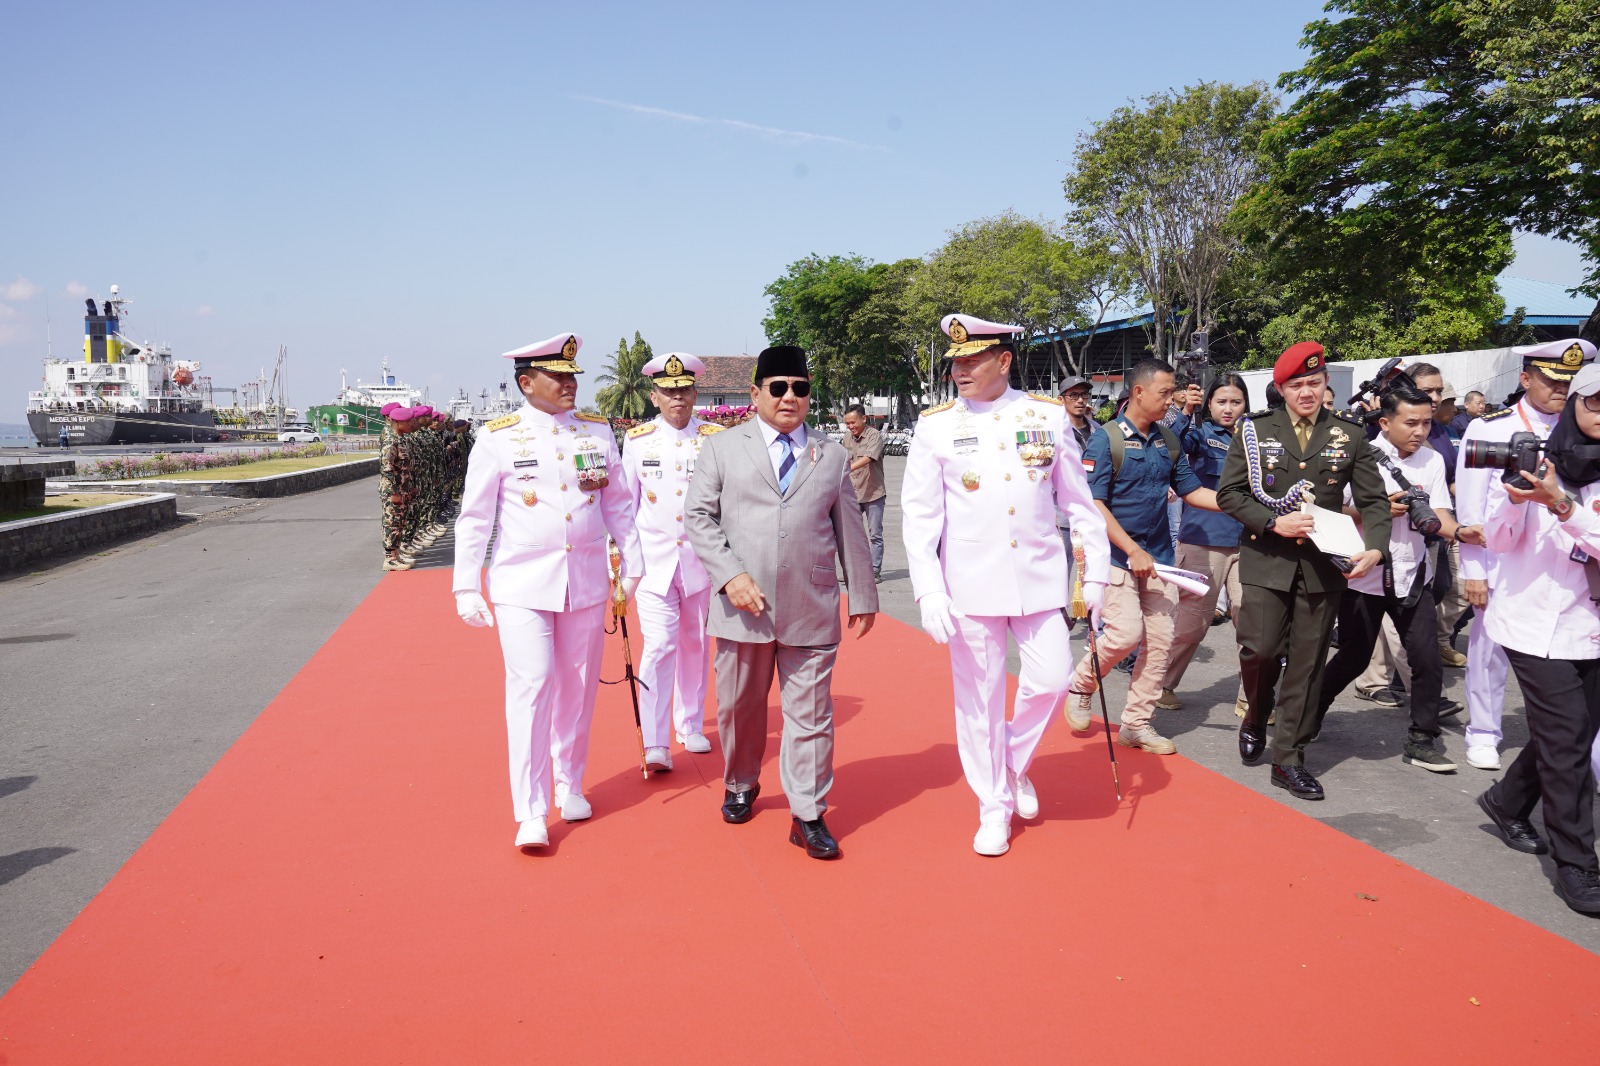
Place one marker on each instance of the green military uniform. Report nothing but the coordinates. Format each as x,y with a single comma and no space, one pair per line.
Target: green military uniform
389,487
1291,589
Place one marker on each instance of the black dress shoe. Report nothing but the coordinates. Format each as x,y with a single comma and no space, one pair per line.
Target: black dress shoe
814,837
1579,888
737,806
1519,833
1252,742
1298,780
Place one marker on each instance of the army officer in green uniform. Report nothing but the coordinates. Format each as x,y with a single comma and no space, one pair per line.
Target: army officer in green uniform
1279,464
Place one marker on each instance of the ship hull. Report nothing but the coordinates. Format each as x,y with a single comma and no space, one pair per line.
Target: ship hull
345,420
93,427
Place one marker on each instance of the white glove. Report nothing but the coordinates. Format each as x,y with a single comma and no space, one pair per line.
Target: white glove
628,585
938,616
473,611
1094,596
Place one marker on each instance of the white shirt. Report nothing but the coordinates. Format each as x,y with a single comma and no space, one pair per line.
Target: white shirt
1472,485
1541,605
1407,549
769,437
979,520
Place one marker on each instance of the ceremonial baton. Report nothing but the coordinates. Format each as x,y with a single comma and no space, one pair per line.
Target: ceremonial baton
619,615
1080,609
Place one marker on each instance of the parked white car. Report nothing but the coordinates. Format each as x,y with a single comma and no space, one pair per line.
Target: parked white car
298,433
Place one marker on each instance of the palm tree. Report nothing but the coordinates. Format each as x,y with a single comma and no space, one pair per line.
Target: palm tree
624,391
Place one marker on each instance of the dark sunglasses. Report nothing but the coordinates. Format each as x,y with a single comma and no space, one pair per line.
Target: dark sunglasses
780,389
1591,402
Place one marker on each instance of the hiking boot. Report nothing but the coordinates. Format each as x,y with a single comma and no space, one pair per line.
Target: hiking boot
1078,717
1419,752
1146,738
1169,701
1450,657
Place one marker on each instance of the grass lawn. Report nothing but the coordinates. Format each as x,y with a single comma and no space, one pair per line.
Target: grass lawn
74,501
265,468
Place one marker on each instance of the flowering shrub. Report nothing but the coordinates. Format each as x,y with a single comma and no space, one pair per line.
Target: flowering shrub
124,467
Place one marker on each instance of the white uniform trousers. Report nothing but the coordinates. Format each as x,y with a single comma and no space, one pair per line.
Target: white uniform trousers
552,671
987,742
672,667
1487,666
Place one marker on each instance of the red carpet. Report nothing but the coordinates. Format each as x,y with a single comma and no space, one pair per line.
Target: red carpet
342,888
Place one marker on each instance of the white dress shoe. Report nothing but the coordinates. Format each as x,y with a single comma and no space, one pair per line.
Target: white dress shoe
532,834
1483,756
992,839
695,742
658,759
1027,799
574,808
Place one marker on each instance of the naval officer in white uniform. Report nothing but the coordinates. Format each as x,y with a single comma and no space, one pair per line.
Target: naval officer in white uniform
674,593
984,480
554,478
1547,371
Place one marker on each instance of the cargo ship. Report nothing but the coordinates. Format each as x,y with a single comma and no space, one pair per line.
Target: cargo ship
357,409
121,392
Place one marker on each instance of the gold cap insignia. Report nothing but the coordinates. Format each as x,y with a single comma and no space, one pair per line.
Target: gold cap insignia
958,332
569,350
674,366
1572,357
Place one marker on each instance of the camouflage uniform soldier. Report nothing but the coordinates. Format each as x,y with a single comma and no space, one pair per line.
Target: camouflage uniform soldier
389,490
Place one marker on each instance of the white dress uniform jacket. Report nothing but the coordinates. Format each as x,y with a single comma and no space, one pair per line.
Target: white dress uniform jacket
980,521
539,472
1472,485
659,462
1542,605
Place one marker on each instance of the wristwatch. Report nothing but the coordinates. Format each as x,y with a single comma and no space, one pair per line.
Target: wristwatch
1270,523
1562,508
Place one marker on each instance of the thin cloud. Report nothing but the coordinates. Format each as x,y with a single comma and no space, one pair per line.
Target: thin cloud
21,289
204,311
12,328
77,289
770,132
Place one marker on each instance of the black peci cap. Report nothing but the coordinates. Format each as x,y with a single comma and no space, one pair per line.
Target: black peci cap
780,361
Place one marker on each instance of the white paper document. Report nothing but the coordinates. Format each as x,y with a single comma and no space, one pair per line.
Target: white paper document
1336,533
1187,580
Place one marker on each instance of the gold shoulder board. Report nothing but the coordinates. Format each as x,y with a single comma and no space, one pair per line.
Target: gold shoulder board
708,428
585,417
1044,399
502,422
641,429
1503,412
939,407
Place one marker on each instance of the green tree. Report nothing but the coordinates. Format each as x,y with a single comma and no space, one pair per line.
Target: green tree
811,305
1422,132
624,391
1162,180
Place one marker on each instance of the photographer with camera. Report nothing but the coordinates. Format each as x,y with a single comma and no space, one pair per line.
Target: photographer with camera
1547,371
1419,502
1543,524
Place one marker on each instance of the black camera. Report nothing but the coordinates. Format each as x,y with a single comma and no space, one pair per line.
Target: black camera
1369,394
1423,518
1517,456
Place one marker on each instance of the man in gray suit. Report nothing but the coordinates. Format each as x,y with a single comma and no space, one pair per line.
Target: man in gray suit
770,510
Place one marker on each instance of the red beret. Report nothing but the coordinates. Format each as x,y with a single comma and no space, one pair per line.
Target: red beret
1296,360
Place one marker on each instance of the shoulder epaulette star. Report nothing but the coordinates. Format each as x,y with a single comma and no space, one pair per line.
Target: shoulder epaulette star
708,428
641,430
584,416
503,422
1044,399
939,407
1350,417
1503,412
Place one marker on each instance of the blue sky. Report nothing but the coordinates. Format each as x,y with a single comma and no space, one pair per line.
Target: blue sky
444,183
